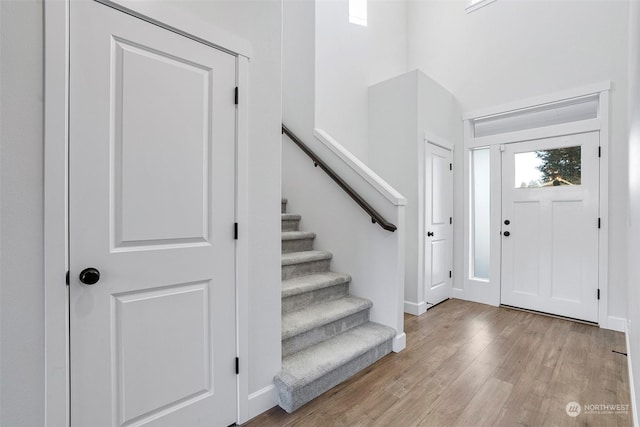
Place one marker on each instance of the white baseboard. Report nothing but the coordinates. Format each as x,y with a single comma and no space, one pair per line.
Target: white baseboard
615,324
399,342
262,400
415,309
632,389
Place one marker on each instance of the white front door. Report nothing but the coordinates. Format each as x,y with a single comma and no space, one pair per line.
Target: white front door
550,196
438,229
151,207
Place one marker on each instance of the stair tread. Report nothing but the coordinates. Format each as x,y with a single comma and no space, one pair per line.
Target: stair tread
308,365
292,217
300,321
305,256
296,235
312,282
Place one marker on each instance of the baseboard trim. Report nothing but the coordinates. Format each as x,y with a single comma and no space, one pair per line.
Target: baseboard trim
615,324
415,309
262,400
399,342
632,389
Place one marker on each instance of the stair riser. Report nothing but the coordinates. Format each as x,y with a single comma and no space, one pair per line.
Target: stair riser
324,332
300,301
290,225
292,399
297,245
302,269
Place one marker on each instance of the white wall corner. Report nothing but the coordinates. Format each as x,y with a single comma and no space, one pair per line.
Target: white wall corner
632,394
261,401
415,309
399,343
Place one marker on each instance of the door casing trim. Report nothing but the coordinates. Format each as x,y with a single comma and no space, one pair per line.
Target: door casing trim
56,184
488,291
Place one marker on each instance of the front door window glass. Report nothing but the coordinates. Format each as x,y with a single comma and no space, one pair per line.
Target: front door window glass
548,168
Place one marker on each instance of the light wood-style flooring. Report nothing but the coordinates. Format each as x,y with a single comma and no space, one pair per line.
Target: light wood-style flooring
472,365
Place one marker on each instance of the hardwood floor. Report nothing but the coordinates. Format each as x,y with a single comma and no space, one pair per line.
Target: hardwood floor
469,364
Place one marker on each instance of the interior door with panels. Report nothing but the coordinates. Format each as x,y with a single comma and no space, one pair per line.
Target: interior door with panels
151,210
438,262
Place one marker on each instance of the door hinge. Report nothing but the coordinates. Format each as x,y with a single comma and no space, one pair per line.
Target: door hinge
237,365
599,151
598,293
67,278
598,222
235,231
450,166
449,273
450,220
236,95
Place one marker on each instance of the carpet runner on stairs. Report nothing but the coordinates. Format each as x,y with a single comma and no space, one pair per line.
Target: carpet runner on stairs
326,333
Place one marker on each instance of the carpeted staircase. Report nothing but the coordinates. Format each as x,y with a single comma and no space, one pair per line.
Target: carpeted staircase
326,333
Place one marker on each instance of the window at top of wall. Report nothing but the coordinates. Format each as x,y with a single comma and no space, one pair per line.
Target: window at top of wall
477,4
358,12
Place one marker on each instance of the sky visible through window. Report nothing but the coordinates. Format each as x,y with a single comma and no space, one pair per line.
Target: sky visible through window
527,168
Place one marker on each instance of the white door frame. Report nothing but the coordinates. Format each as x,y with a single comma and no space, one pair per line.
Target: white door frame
56,143
488,291
428,138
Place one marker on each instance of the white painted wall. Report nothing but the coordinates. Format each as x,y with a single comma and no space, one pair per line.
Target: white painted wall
21,210
512,50
401,110
349,58
298,68
634,200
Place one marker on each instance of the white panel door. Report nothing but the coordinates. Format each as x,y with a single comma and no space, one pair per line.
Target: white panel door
151,206
438,229
550,196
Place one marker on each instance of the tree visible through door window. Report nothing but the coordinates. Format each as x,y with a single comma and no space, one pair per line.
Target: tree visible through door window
548,168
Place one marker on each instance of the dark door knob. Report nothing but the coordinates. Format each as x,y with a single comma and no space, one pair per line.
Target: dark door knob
89,276
429,233
506,234
507,222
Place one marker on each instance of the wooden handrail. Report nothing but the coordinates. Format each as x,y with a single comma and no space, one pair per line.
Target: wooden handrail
376,218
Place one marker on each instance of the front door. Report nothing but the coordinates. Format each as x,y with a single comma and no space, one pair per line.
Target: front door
438,224
550,196
151,208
